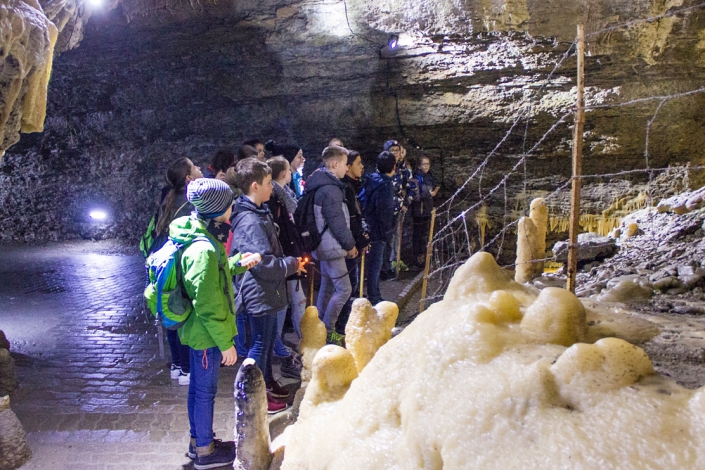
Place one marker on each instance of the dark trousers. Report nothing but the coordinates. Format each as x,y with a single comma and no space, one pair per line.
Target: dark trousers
374,261
179,353
264,332
201,393
419,239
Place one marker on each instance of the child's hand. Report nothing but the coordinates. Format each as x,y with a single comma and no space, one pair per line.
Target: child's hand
229,356
250,260
435,191
352,253
302,265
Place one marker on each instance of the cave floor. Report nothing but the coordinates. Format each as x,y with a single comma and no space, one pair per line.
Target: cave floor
95,391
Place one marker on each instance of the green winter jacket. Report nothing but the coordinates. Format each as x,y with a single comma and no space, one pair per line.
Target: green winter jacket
212,322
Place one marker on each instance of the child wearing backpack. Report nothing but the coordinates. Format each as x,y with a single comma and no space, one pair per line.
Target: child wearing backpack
378,209
206,276
337,242
262,290
421,208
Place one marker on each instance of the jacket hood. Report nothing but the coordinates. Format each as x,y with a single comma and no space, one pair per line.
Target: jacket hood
375,180
185,229
244,205
321,178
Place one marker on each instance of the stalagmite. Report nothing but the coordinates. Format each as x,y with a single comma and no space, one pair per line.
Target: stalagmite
313,338
368,329
527,238
495,376
251,423
538,214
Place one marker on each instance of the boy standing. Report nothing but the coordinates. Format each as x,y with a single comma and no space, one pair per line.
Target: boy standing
421,208
208,332
337,241
263,289
400,182
378,210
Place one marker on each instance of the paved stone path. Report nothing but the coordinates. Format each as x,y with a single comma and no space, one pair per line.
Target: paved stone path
95,392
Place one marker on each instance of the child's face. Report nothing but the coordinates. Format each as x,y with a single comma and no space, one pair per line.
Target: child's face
424,165
195,172
338,166
260,152
264,190
356,169
298,161
286,176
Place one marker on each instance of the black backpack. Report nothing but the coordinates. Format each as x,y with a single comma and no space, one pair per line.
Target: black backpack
305,220
289,236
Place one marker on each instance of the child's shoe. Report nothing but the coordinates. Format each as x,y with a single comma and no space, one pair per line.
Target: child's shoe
275,390
175,371
217,454
335,338
184,378
290,367
275,406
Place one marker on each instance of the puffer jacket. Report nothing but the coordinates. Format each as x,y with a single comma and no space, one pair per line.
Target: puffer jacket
262,289
378,206
208,285
332,216
421,200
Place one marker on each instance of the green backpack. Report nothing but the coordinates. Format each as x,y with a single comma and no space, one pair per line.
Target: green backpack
147,239
165,293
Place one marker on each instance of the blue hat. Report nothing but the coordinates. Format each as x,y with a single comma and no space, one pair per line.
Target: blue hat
391,143
210,197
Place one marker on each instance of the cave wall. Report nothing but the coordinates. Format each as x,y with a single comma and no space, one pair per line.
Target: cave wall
154,80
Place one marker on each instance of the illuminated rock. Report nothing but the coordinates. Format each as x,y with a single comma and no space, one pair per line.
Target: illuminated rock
527,241
466,386
369,328
251,423
313,338
14,451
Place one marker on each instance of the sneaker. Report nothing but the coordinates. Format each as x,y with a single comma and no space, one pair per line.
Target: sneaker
191,453
402,266
335,338
275,406
276,390
175,371
387,275
223,454
290,367
184,378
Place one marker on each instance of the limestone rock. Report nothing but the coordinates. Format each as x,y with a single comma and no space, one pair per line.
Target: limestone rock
8,378
590,247
4,343
14,451
368,329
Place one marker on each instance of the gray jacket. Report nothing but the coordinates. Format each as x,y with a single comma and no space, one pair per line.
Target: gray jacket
262,289
332,217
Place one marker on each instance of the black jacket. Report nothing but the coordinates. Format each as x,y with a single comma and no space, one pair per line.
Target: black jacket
378,206
262,289
358,226
421,200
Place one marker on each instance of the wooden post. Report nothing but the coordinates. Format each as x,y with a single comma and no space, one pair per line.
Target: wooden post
400,234
577,165
429,250
362,273
313,278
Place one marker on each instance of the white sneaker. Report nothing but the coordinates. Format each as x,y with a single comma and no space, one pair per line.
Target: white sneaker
184,379
175,371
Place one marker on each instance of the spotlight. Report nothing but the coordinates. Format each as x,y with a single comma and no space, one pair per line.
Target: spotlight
96,3
98,215
393,41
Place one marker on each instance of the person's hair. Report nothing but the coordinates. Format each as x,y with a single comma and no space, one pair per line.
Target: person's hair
176,179
334,152
253,142
222,160
287,151
386,162
246,151
352,156
335,139
278,166
248,171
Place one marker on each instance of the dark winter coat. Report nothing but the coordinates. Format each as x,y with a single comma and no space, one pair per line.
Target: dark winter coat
332,214
358,227
262,289
378,206
422,200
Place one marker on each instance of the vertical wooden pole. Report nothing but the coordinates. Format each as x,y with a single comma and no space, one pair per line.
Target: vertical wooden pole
362,273
400,230
313,279
429,250
577,165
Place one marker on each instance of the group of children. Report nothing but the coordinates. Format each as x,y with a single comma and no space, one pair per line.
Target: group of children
239,310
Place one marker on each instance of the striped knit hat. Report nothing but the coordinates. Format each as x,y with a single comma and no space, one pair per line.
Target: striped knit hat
210,197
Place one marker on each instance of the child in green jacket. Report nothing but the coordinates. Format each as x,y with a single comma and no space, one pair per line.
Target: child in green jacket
209,330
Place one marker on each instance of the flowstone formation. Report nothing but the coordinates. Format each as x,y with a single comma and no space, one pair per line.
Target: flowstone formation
496,376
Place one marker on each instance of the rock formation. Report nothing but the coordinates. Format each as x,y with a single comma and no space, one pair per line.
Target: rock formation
14,451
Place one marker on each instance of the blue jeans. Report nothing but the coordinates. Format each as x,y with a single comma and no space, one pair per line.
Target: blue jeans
334,291
243,325
375,260
205,366
264,332
180,354
279,349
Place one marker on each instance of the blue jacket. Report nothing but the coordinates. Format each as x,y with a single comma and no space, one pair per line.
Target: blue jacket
330,210
262,289
378,206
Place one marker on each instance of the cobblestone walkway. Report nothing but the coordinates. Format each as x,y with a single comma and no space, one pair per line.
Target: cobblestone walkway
94,391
